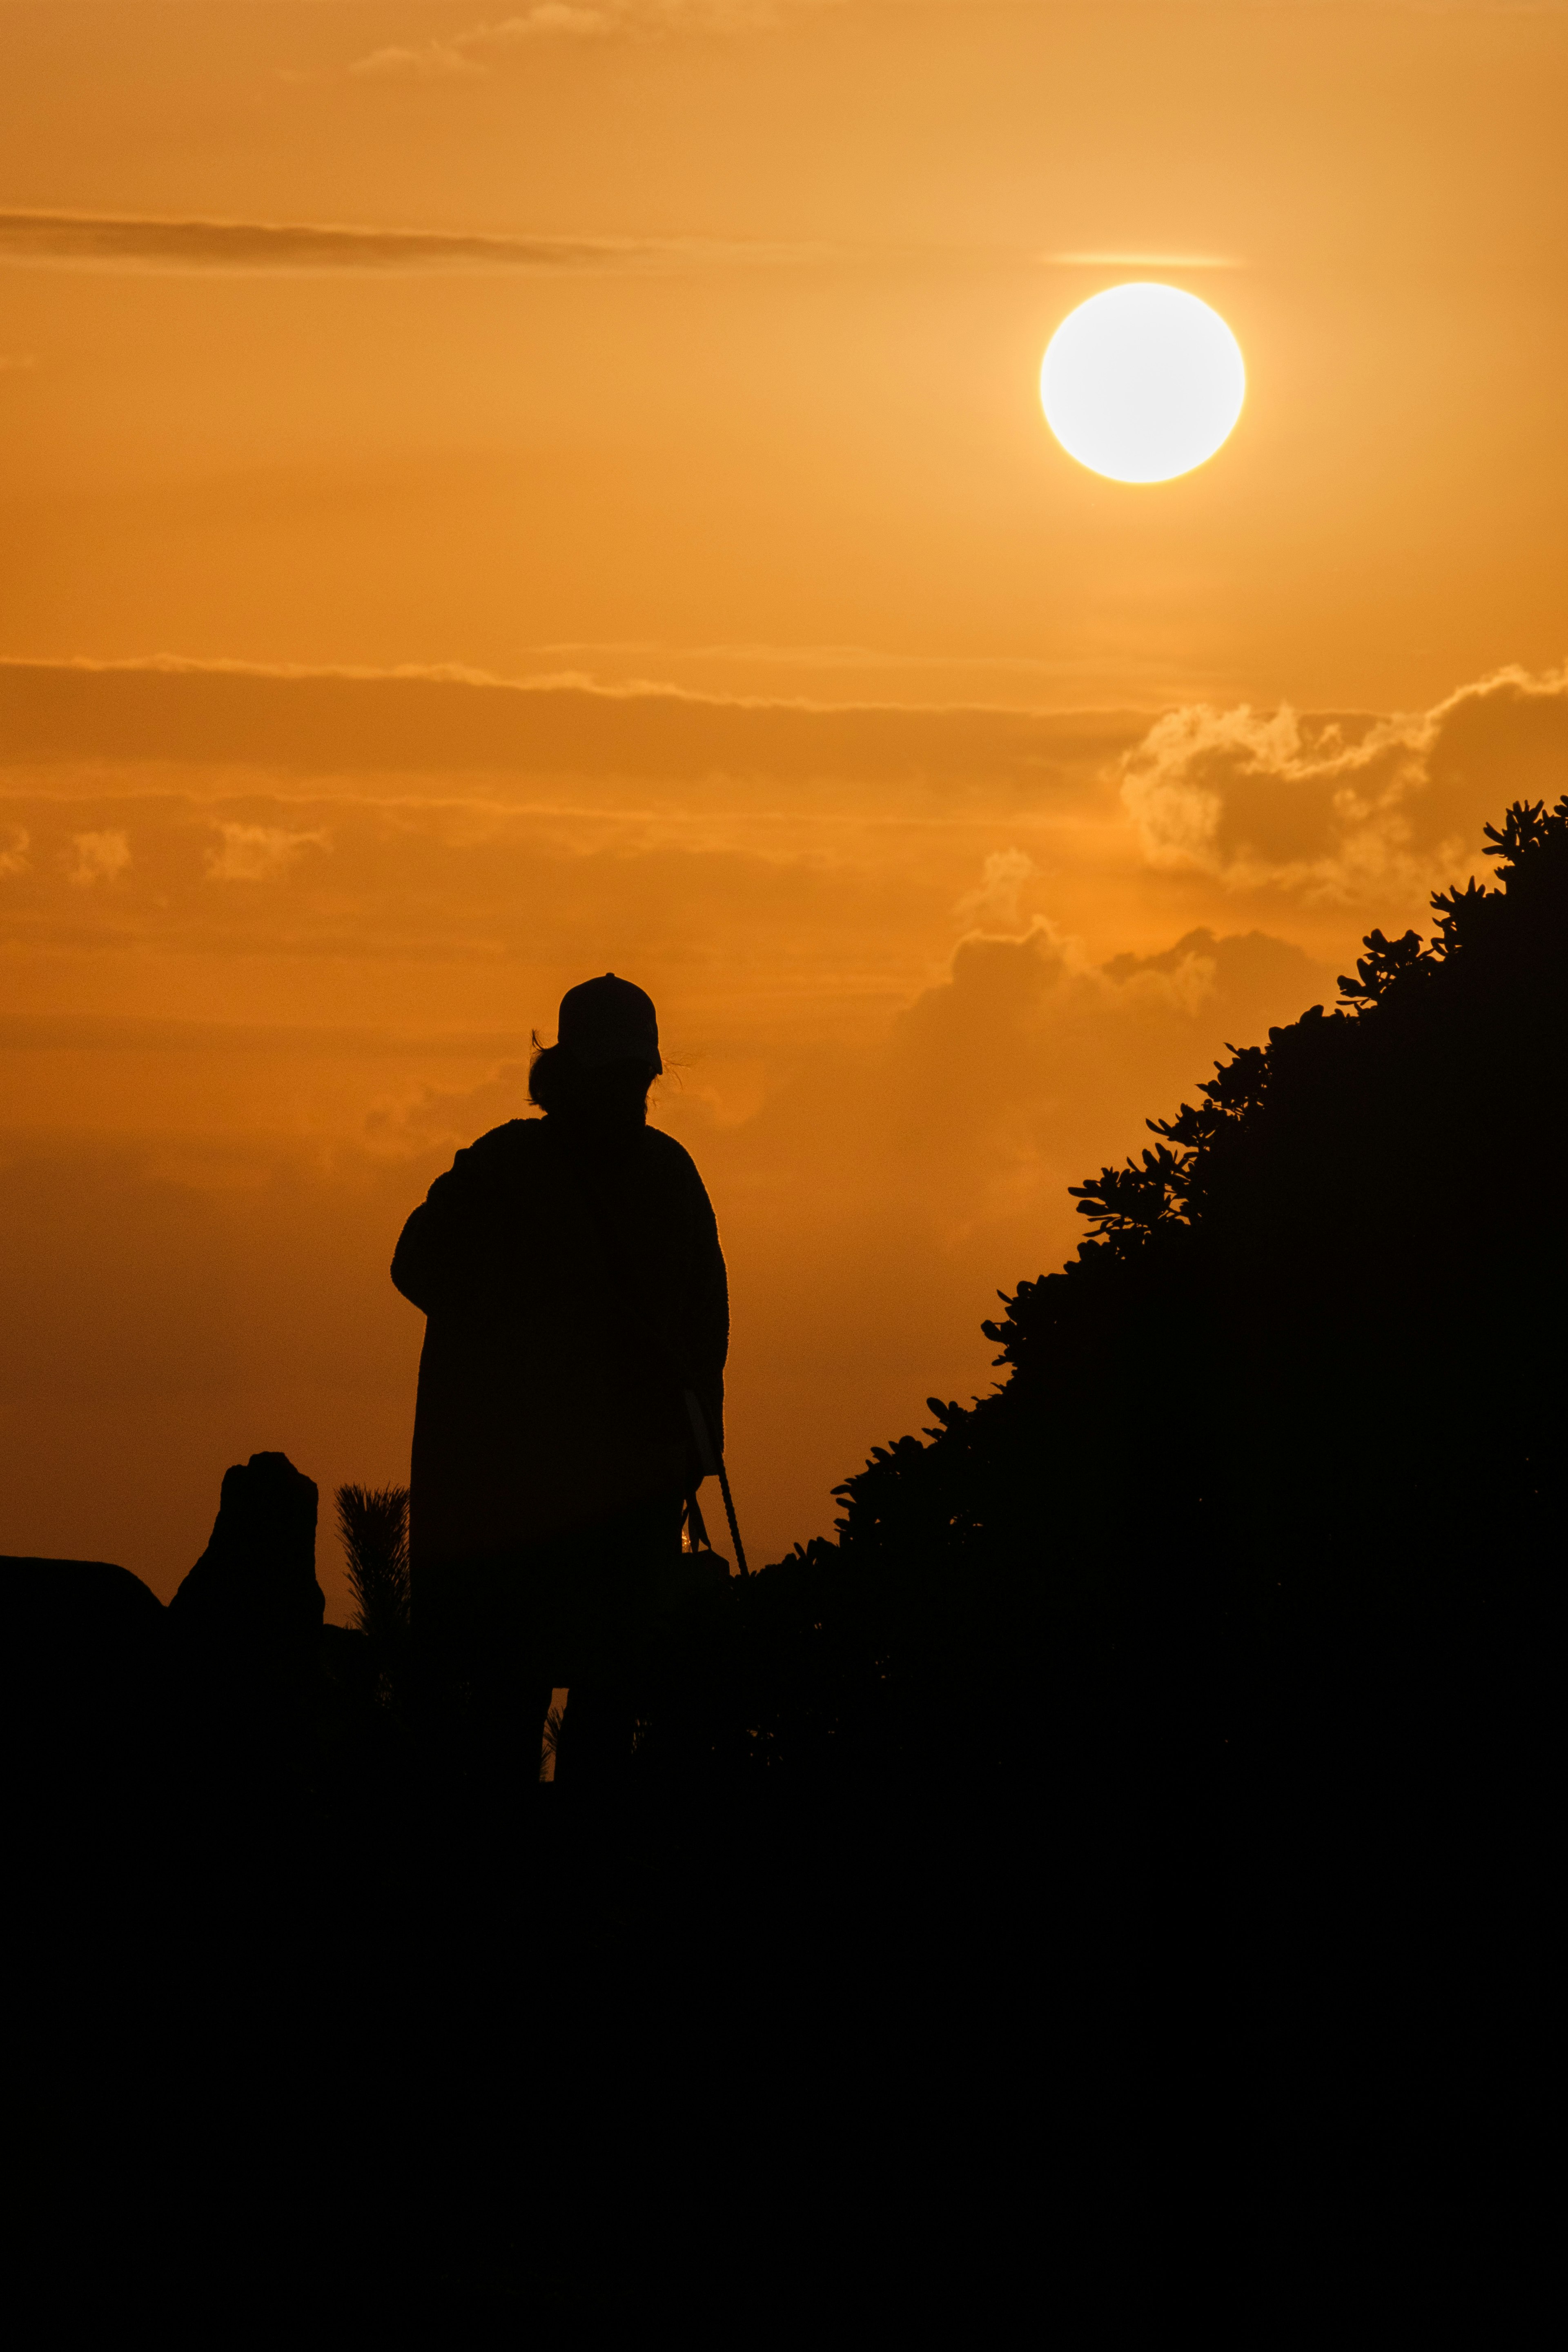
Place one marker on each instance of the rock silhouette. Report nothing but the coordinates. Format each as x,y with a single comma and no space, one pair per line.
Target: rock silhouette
254,1588
76,1606
254,1673
86,1648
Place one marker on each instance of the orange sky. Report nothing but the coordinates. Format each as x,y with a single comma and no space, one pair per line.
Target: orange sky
653,389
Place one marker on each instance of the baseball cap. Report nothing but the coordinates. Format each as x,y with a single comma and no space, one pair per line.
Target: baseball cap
609,1020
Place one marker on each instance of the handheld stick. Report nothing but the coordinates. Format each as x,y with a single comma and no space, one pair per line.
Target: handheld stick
712,1463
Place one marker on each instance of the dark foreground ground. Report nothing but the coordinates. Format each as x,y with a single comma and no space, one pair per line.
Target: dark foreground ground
1257,2051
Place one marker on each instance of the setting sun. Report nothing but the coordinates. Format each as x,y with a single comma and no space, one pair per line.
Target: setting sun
1142,382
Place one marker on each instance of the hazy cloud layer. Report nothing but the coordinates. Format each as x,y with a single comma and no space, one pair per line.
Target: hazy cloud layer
343,722
193,1296
893,1052
222,1102
100,857
1344,809
481,47
460,55
1347,809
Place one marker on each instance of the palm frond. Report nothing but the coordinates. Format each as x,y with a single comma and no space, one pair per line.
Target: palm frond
373,1523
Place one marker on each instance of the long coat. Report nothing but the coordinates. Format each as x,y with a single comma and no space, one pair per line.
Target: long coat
570,1296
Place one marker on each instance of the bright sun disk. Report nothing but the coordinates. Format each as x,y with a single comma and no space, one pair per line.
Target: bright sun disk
1142,382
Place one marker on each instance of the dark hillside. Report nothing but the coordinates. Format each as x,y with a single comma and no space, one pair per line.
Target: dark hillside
1290,1429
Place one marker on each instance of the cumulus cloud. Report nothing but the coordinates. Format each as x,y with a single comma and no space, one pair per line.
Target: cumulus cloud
468,54
13,856
553,20
995,904
955,1137
435,62
1344,809
1030,1048
254,853
100,857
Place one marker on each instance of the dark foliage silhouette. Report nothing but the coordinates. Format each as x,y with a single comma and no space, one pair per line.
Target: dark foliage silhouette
1285,1440
373,1522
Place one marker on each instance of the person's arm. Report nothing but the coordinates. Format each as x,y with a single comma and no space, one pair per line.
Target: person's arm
439,1244
414,1266
708,1314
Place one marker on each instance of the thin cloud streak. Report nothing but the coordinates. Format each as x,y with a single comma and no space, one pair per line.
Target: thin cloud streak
109,241
1142,261
194,246
797,656
108,1032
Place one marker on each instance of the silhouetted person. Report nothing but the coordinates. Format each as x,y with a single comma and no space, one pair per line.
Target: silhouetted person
571,1273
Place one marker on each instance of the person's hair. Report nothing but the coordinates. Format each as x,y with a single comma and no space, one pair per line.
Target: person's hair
615,1090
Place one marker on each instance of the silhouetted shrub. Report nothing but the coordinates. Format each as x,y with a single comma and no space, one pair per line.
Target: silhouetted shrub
373,1522
1303,1387
1282,1448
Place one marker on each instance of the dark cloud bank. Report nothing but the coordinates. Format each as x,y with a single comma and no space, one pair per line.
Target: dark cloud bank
332,722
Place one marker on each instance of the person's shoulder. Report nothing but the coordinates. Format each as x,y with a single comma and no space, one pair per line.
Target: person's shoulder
670,1163
662,1150
504,1142
491,1154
